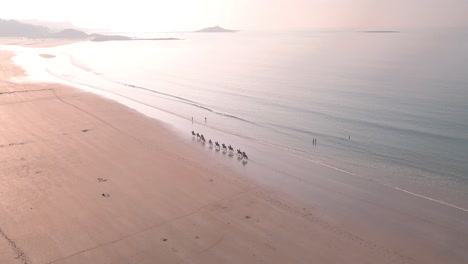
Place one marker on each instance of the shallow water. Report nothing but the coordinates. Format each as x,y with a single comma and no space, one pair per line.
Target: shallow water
392,108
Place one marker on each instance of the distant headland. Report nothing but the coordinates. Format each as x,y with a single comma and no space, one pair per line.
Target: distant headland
216,29
17,29
380,31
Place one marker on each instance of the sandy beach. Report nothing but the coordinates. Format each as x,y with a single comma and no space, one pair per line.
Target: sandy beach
87,180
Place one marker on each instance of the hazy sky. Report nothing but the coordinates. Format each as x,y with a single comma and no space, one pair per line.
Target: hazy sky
154,15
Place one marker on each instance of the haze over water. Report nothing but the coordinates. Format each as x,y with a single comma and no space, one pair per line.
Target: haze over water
402,98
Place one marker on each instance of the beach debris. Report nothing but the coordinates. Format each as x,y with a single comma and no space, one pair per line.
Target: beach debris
85,130
101,180
14,144
105,195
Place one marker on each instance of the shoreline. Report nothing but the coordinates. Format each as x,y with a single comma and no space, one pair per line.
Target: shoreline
181,126
189,201
411,175
35,43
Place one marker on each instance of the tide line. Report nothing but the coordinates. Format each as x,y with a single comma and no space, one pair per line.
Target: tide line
384,184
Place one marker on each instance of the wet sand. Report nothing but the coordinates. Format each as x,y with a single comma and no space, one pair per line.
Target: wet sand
35,43
87,180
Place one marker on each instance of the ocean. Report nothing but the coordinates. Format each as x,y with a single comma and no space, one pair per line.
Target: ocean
391,108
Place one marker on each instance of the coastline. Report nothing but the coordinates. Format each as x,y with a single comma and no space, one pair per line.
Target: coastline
35,43
160,188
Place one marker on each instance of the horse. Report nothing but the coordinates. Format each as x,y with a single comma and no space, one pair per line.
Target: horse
211,143
231,151
239,153
244,155
224,148
193,133
217,145
202,138
198,136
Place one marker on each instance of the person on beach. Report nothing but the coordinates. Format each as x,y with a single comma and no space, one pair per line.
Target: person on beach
192,119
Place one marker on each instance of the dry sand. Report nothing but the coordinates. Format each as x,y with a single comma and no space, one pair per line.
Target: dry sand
86,180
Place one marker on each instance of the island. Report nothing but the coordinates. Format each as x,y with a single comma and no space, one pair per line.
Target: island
380,31
216,29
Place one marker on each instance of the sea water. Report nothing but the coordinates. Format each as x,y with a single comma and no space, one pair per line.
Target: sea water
388,107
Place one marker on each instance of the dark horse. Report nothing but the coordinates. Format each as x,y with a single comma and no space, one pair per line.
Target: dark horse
217,145
203,138
224,147
211,143
244,156
239,153
193,133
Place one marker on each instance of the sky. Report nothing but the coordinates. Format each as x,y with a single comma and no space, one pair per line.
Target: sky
181,15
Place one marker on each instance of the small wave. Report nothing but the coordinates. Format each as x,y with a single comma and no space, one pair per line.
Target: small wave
75,62
189,102
294,152
381,183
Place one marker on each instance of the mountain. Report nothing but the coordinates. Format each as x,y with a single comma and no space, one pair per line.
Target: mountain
53,26
216,29
13,28
100,37
16,29
69,34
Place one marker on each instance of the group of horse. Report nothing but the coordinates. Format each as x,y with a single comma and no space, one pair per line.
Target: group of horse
218,147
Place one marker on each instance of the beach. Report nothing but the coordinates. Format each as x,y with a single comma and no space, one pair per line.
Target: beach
88,180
